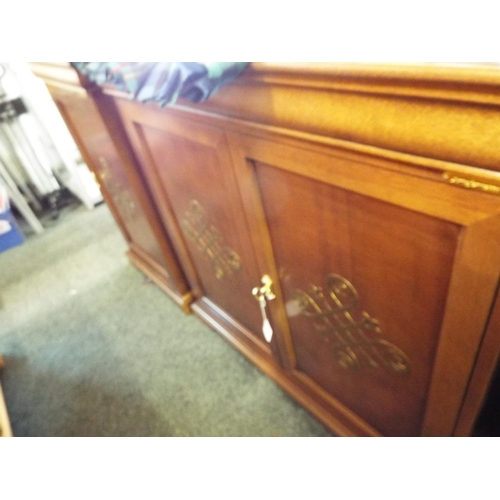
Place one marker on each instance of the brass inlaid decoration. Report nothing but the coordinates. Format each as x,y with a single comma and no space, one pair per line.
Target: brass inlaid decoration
121,196
225,261
472,184
336,315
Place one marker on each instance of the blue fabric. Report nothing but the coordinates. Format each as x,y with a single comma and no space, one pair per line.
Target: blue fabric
13,237
163,82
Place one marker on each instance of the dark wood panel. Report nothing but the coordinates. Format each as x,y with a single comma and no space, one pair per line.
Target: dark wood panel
399,262
211,220
188,168
422,256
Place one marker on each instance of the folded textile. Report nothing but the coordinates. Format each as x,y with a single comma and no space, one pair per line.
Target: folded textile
163,82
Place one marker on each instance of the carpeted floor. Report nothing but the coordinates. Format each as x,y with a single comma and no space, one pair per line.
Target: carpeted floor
93,349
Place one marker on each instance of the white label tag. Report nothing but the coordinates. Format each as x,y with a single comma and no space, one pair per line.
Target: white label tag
266,326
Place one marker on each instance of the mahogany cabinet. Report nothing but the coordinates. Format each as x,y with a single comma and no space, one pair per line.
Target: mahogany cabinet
340,226
104,148
375,270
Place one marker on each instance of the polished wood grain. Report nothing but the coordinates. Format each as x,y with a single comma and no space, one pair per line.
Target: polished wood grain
482,375
345,160
398,261
355,169
188,163
390,107
472,289
401,247
469,82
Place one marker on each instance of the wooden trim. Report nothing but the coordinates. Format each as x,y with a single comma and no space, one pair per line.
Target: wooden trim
466,73
237,328
264,92
466,82
417,193
263,250
331,413
430,168
473,284
393,118
164,209
485,364
470,81
387,119
61,87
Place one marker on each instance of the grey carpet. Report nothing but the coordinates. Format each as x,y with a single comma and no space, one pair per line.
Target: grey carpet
93,349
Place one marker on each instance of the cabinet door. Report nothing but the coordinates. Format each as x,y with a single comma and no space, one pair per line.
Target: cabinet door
188,167
96,146
150,252
385,278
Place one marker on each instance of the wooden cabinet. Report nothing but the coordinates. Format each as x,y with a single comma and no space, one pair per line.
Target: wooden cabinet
384,277
105,150
359,204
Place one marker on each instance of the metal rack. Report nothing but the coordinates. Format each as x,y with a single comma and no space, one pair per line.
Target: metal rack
39,160
15,164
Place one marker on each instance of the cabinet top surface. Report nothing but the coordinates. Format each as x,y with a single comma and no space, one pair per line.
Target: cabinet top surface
485,73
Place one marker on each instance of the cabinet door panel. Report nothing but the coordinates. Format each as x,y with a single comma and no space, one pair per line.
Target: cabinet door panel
385,287
90,133
398,264
188,167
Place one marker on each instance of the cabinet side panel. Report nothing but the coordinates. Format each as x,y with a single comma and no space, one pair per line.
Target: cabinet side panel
92,138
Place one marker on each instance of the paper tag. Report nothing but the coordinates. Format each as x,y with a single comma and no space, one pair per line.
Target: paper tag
266,326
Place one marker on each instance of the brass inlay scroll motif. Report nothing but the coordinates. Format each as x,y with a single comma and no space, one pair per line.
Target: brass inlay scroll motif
121,196
354,334
472,184
224,260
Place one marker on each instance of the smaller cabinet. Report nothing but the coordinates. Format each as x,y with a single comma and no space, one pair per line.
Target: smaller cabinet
104,148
